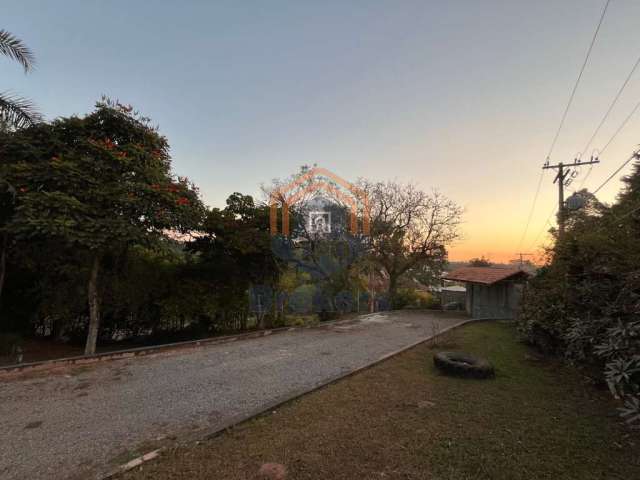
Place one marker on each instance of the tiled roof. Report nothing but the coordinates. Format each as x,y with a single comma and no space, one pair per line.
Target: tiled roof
484,275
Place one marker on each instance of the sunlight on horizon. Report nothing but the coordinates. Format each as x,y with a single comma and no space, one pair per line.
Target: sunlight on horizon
462,97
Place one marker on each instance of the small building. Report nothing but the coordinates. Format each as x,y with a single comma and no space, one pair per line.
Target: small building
491,292
452,296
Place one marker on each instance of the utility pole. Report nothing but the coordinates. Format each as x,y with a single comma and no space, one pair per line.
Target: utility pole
565,176
523,255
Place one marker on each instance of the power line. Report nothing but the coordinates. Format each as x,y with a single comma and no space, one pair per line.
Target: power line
613,103
622,125
627,214
533,207
547,222
575,87
635,154
563,119
624,164
563,178
544,226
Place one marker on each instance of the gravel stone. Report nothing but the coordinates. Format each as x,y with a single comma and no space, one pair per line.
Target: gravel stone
83,422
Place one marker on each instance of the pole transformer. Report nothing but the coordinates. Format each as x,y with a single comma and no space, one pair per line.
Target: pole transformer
564,177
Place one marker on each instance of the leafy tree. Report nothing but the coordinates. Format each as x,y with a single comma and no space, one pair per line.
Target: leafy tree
235,252
585,303
330,258
291,280
479,262
16,112
97,184
7,200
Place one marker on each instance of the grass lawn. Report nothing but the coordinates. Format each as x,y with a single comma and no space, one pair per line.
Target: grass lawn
403,420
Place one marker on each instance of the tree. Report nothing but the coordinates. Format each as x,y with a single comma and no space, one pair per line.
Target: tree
235,250
479,262
584,304
97,184
322,241
7,200
16,112
329,256
409,228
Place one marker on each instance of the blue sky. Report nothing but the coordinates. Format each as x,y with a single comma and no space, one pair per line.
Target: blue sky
463,96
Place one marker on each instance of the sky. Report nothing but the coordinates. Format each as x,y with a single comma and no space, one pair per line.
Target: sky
463,96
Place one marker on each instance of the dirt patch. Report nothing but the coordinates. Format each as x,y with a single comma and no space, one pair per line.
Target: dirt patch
31,425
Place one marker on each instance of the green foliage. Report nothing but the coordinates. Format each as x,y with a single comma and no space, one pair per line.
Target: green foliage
80,193
234,253
427,300
585,303
16,112
98,183
412,298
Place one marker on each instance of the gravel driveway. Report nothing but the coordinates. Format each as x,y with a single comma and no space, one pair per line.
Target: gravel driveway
84,421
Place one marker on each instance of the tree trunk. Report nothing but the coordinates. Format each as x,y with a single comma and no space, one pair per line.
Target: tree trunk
393,290
259,312
3,260
372,292
274,309
94,308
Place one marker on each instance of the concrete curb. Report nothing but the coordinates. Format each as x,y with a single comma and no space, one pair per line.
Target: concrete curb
277,403
8,370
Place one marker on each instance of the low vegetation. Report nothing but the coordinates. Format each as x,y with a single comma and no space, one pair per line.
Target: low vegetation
102,242
584,305
403,420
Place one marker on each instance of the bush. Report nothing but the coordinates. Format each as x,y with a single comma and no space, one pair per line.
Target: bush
411,298
584,305
405,298
621,352
428,300
10,344
326,315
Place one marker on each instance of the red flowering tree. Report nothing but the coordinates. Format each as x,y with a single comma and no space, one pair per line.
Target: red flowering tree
97,184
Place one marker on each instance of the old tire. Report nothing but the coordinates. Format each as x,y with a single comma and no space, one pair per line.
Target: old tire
462,364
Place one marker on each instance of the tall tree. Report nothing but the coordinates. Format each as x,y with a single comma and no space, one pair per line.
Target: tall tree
15,111
409,228
235,249
98,184
584,304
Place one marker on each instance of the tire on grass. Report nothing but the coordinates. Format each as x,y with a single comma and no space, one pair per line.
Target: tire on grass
462,364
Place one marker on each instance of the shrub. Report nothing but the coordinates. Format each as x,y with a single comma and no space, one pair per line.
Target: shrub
411,298
584,305
10,345
621,351
428,300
